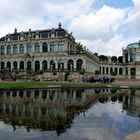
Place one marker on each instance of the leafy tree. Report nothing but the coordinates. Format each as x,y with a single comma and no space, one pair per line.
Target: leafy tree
79,47
114,59
97,72
103,58
82,72
120,59
113,73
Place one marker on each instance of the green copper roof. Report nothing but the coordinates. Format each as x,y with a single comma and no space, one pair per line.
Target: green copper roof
134,45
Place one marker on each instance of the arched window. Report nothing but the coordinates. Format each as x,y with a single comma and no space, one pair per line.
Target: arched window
116,70
61,46
53,47
2,50
8,65
21,65
2,65
103,70
37,47
29,48
15,65
120,71
106,70
79,64
15,49
29,65
70,65
44,47
37,65
21,49
8,49
60,65
111,70
52,65
44,65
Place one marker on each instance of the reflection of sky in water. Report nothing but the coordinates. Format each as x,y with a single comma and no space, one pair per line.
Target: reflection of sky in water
100,122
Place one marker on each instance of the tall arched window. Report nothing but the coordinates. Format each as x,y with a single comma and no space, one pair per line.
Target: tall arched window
79,64
106,70
9,65
52,65
120,71
2,65
53,47
116,70
21,65
29,48
70,65
8,49
29,65
61,46
44,65
37,65
21,49
111,70
2,50
37,47
15,65
44,47
15,49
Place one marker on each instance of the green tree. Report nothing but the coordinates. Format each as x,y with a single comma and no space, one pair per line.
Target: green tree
113,73
114,59
79,47
97,72
103,58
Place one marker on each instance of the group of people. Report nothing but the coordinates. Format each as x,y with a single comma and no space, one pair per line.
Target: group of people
101,79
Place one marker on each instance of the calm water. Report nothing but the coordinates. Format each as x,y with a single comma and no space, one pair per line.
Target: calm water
90,114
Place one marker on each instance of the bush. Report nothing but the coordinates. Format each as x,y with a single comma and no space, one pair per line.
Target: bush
54,73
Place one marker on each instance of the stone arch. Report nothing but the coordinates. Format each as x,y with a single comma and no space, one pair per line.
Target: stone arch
107,70
21,65
120,71
111,70
9,65
37,65
29,65
79,63
44,65
70,65
52,65
15,65
60,64
116,70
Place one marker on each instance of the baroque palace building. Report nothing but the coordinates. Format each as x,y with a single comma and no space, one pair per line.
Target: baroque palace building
55,52
48,50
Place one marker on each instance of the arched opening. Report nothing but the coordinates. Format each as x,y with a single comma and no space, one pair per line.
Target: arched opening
106,70
37,65
44,65
29,65
116,70
8,65
133,73
8,49
52,65
61,46
29,48
111,70
21,49
53,47
37,47
60,65
44,47
120,71
15,65
103,70
21,65
2,50
15,49
70,65
2,65
79,64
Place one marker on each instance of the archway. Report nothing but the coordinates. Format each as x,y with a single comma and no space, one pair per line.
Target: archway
37,65
70,65
79,64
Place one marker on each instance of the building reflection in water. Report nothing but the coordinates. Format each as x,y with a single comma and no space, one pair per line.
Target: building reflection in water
55,109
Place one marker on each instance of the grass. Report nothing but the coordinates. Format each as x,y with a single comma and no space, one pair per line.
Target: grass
62,84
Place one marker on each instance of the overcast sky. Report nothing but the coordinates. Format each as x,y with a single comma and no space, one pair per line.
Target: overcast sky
104,26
